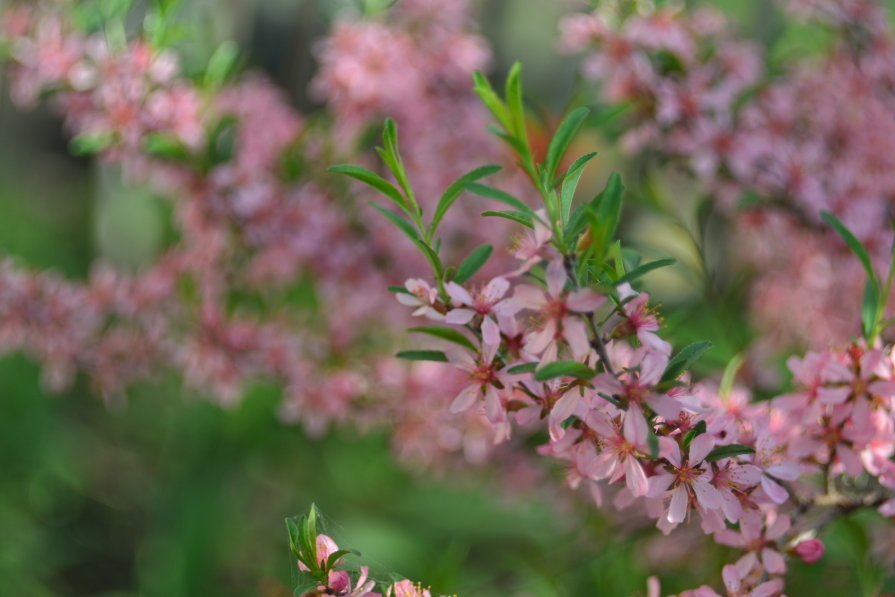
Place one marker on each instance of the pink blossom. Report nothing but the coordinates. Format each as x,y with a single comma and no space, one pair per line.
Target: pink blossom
487,301
558,308
422,296
759,538
484,377
689,479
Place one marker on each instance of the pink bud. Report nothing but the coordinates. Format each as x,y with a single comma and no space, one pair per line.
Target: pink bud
810,550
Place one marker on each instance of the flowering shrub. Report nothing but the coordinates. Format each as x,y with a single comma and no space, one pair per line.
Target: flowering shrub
264,238
619,406
278,269
780,142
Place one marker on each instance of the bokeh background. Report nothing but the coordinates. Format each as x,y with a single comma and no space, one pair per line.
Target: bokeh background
169,495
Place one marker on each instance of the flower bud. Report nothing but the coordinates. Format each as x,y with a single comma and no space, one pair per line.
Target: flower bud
810,550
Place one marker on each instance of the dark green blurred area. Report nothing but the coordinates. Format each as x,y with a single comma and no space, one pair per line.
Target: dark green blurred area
168,495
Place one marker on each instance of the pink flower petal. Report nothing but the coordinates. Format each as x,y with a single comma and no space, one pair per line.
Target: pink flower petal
700,447
459,316
465,399
584,301
556,277
635,478
458,294
680,504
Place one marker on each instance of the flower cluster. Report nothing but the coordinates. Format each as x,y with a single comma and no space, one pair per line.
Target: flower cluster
785,148
321,565
275,271
565,343
413,64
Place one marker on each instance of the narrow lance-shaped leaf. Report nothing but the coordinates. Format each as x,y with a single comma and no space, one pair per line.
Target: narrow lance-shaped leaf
524,368
515,105
491,100
730,374
853,243
652,440
294,537
729,451
445,333
399,222
683,360
516,144
90,143
870,309
513,216
374,181
564,369
498,195
698,429
392,158
570,184
644,269
222,63
609,208
423,355
312,529
337,555
473,263
563,137
454,191
432,257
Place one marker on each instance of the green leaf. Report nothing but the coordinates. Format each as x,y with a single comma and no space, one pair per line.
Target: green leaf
294,537
570,184
517,144
698,429
564,369
375,181
335,556
222,142
398,289
498,195
307,583
853,243
870,309
455,190
730,374
423,355
652,440
513,216
165,146
577,222
524,368
312,523
515,105
685,359
399,222
432,257
563,137
608,206
449,334
222,64
392,158
644,269
728,451
491,100
90,143
473,263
